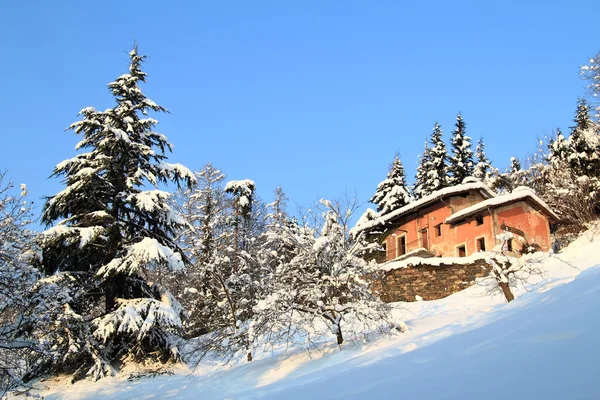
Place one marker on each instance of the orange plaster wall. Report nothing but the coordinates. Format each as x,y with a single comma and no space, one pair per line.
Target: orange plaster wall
467,234
428,218
525,218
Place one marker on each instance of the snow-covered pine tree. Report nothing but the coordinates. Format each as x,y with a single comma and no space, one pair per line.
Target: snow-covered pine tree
203,239
558,150
591,73
584,143
483,166
110,229
422,186
515,165
505,182
437,175
278,245
242,193
233,277
392,193
461,163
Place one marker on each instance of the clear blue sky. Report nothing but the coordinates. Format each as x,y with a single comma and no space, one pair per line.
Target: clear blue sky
315,96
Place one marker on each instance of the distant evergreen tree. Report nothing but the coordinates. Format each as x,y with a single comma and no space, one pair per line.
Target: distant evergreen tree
461,163
483,166
510,179
584,143
203,239
277,245
112,234
558,150
591,73
423,185
515,165
242,193
437,175
392,193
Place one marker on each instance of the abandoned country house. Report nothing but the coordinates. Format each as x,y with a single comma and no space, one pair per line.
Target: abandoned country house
423,242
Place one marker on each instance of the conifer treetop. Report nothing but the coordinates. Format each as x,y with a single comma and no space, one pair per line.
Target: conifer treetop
461,163
437,173
483,165
422,186
392,193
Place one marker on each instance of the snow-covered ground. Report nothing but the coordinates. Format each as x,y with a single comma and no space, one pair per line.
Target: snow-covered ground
471,345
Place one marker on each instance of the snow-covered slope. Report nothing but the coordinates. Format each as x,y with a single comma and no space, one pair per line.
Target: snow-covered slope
471,345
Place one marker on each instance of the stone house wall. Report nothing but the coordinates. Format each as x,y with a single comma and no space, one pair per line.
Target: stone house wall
431,282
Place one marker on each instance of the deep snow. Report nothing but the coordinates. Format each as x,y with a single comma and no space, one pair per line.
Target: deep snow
471,345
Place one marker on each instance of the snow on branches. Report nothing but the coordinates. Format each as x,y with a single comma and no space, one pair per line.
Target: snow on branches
109,229
461,163
392,193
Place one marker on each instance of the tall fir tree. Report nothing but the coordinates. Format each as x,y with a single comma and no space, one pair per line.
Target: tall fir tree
422,186
438,173
461,163
109,229
392,193
483,166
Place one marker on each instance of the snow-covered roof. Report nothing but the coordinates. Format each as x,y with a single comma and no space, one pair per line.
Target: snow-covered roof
425,201
520,193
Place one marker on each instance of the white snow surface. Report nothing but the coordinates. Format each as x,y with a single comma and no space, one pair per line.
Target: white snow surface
471,345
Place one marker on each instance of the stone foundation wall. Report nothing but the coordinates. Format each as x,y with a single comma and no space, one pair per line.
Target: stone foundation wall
429,282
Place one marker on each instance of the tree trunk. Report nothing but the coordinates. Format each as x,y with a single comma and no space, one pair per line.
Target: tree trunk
506,290
111,295
338,334
114,288
237,239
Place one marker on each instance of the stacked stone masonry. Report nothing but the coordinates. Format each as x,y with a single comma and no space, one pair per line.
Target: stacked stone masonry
427,281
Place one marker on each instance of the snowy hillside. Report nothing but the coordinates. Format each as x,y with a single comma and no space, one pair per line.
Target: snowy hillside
471,345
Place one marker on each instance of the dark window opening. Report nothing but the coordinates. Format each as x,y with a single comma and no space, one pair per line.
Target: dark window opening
509,246
479,219
382,256
438,230
481,244
462,251
425,239
402,245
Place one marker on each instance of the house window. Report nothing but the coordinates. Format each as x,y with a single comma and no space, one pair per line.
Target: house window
438,230
508,245
461,251
481,244
479,219
401,245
